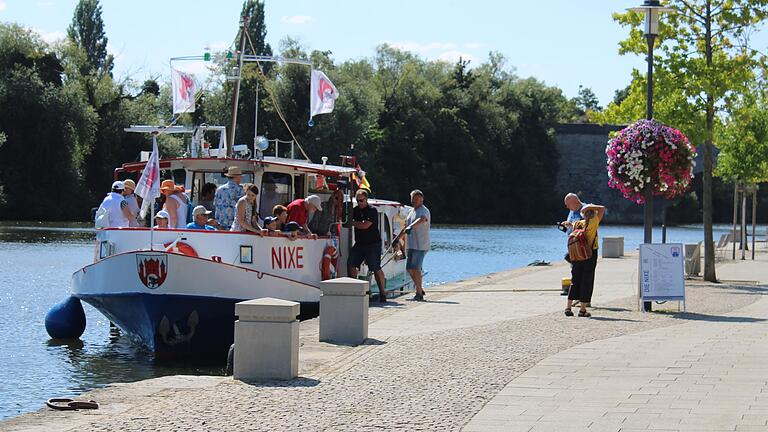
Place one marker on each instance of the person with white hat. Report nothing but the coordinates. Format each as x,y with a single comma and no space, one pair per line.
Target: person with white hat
225,199
133,202
161,218
299,211
114,208
200,215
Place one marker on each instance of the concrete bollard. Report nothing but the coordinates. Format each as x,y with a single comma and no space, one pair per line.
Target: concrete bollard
344,311
266,339
613,247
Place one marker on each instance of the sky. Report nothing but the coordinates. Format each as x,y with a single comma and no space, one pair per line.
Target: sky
565,43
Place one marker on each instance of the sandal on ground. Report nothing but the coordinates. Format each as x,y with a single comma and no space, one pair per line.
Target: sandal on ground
568,312
584,314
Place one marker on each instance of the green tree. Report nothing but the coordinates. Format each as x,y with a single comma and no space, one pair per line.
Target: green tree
705,59
87,32
47,129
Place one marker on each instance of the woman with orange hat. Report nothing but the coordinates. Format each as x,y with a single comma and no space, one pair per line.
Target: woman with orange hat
175,204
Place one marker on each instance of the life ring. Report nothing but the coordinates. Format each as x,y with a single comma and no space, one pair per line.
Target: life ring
330,257
181,248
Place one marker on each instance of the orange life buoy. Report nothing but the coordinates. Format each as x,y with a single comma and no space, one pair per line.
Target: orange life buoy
330,257
181,248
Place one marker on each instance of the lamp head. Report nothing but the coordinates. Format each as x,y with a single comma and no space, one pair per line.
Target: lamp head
652,10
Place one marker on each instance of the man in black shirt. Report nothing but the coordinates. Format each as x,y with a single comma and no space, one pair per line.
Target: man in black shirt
367,246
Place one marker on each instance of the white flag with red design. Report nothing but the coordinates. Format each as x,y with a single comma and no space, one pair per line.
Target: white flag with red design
322,94
148,186
184,88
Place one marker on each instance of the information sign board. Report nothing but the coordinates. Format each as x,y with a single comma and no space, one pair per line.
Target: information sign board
662,272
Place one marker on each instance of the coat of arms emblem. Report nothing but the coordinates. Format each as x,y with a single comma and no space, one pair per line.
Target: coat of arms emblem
152,269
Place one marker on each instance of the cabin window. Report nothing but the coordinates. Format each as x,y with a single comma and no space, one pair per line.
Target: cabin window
275,190
386,232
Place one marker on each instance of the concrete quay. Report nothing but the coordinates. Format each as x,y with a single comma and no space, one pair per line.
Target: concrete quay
493,353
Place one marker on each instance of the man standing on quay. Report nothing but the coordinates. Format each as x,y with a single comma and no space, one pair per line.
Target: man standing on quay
367,242
417,227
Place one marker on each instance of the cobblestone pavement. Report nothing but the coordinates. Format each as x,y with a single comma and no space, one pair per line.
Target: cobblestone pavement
706,375
429,381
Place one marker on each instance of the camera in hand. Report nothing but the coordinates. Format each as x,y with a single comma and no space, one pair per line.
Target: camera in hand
561,226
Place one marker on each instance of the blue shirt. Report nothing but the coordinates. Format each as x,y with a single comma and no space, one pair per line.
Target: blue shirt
574,216
193,225
225,201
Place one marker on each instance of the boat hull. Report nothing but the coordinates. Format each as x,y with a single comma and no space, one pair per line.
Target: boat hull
182,305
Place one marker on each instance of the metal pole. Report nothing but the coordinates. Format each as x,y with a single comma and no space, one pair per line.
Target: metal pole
754,219
236,96
663,223
735,217
648,214
256,118
743,224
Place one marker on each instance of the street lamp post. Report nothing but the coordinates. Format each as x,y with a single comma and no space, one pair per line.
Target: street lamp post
652,9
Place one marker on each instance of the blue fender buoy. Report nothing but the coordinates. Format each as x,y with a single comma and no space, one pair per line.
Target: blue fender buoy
66,320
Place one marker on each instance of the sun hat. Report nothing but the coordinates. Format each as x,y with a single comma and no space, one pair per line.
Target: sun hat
129,184
233,171
200,210
118,185
269,219
167,185
315,201
162,214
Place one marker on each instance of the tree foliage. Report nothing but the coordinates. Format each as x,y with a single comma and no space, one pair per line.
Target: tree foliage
703,64
87,33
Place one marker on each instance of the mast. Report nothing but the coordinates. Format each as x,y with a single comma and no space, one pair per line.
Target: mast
236,97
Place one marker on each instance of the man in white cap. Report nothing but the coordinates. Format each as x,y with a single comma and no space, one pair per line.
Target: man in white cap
117,213
225,199
200,215
161,218
133,202
299,211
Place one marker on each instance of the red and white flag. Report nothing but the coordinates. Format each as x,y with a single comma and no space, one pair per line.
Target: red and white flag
322,94
184,88
149,184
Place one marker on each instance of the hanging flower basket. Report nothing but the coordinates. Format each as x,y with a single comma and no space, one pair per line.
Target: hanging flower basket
650,152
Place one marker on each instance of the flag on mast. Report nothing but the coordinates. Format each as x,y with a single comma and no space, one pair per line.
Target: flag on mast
149,184
322,94
184,88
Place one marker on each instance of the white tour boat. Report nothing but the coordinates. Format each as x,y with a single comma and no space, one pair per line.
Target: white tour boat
174,290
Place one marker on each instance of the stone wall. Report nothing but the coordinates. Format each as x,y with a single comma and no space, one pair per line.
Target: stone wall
582,171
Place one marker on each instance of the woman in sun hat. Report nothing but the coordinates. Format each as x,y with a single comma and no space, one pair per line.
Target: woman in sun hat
175,204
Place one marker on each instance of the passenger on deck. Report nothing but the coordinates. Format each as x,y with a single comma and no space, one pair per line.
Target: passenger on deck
133,202
281,213
246,210
207,194
300,209
270,224
226,197
161,219
175,204
201,216
114,204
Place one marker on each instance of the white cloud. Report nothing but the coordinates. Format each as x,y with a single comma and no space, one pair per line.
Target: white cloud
296,19
49,37
3,5
473,45
454,56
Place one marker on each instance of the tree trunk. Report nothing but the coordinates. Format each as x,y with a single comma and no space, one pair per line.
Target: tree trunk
709,246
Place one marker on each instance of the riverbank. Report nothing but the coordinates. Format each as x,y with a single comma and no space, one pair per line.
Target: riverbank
440,365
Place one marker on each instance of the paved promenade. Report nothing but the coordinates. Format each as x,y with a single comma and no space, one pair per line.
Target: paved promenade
493,353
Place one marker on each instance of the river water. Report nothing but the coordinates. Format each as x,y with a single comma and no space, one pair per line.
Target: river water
38,260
